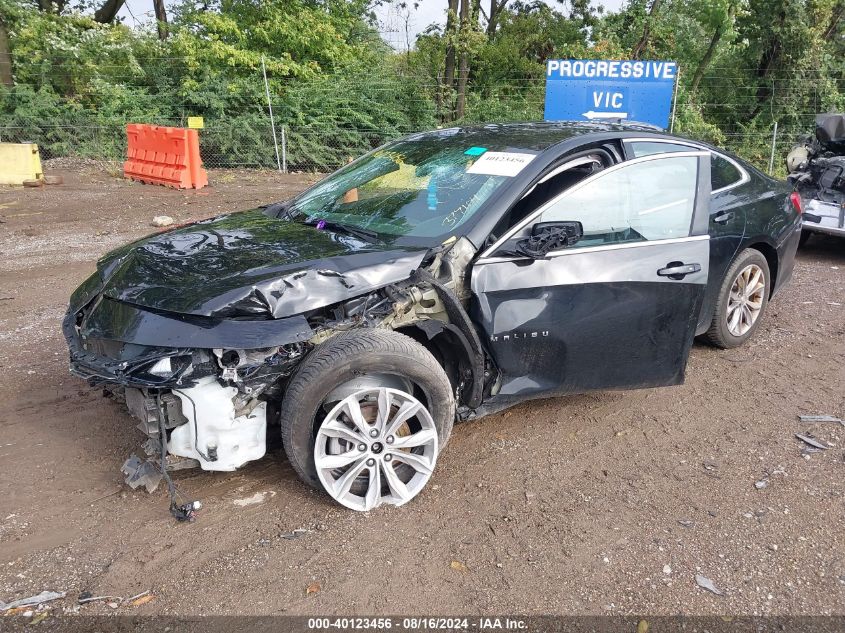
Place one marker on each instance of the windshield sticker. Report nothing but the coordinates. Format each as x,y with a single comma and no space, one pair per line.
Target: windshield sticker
475,151
500,163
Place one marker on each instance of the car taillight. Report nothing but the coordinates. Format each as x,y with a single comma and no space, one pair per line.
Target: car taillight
795,199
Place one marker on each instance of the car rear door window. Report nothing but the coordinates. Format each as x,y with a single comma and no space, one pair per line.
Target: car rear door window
645,201
647,148
723,173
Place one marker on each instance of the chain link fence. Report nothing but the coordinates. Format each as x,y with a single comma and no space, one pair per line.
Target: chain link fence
305,149
245,139
222,145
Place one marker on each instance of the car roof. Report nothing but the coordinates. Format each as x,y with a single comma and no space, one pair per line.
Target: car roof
537,136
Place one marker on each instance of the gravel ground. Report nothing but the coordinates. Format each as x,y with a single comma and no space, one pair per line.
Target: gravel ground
606,503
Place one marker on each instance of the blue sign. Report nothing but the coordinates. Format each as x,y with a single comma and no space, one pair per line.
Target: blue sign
596,90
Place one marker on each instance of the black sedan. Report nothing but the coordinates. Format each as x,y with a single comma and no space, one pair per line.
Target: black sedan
443,276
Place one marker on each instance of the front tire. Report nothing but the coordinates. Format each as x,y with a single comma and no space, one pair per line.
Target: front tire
742,302
324,419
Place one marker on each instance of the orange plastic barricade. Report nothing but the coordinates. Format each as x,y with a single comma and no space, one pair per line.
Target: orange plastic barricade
164,156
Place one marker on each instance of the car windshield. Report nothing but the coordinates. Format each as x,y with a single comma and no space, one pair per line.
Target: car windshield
425,186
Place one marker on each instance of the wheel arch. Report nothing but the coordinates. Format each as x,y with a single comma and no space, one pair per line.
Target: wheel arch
449,347
771,254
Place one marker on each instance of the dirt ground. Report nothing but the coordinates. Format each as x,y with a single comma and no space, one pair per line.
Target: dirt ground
607,503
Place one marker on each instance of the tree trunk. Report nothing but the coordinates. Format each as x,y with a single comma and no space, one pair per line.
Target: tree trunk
835,21
496,9
708,55
161,19
463,69
52,6
5,58
449,74
108,11
640,46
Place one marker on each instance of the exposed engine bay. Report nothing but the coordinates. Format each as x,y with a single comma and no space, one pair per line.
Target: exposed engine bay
817,171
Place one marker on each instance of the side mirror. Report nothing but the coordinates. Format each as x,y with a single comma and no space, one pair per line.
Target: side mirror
550,236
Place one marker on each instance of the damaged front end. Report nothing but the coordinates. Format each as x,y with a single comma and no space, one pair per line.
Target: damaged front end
205,387
817,171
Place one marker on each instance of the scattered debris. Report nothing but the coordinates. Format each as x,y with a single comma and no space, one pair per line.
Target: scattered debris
314,587
44,596
86,596
820,418
642,626
39,618
162,220
809,439
187,512
667,569
289,536
763,483
685,523
141,473
53,179
140,599
458,566
36,182
706,583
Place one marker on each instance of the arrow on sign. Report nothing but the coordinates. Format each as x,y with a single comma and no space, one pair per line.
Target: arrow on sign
605,115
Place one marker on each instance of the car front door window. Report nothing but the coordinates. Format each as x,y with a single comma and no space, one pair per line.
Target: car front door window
646,201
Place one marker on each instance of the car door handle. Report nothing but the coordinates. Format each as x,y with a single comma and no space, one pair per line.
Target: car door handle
724,217
678,270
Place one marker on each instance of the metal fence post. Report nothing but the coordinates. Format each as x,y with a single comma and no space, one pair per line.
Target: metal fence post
270,107
675,100
772,156
284,151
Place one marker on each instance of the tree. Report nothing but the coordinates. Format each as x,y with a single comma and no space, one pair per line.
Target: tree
463,68
5,57
451,36
643,41
837,19
161,19
719,15
108,11
496,8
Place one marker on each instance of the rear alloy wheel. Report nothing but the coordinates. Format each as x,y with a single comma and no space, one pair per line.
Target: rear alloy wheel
742,300
376,446
745,301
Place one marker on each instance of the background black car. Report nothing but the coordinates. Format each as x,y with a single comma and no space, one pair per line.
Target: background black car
448,274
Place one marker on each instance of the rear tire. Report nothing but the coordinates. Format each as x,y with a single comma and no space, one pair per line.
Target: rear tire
805,237
347,357
737,316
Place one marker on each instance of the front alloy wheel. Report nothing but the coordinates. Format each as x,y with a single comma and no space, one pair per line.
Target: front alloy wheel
746,300
376,446
365,416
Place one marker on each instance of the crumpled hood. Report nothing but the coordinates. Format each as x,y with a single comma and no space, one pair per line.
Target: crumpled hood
249,264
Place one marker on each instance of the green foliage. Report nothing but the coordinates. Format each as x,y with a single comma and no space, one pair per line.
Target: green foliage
338,90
